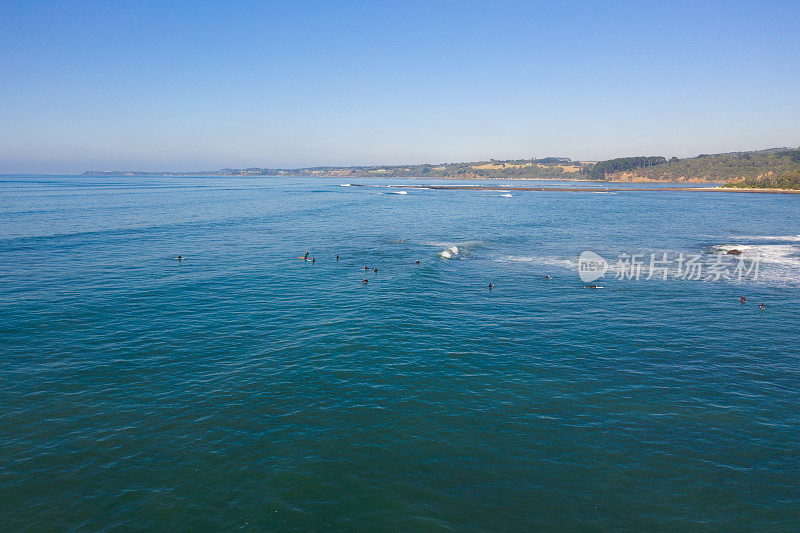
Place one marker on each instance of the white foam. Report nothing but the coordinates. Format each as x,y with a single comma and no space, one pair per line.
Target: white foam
507,195
345,185
396,192
767,237
778,264
455,250
449,253
543,261
778,254
447,244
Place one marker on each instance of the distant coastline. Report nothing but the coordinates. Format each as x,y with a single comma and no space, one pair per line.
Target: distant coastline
719,188
774,169
603,190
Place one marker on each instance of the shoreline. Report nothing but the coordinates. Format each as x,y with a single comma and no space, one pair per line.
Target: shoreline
600,190
718,188
345,176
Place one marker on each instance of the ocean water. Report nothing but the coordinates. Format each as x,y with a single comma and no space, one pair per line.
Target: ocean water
244,388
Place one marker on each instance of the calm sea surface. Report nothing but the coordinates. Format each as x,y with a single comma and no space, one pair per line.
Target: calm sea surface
245,388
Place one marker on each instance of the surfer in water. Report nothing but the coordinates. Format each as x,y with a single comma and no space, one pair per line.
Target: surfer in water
305,257
762,306
366,268
364,281
491,286
313,260
742,300
337,257
375,270
179,258
417,261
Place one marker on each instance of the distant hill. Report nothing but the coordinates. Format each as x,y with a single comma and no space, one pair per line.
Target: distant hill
770,181
545,168
763,168
773,168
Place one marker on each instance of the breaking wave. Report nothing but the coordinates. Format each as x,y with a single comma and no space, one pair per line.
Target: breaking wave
777,254
455,250
449,253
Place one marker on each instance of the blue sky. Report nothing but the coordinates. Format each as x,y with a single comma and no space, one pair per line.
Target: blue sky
202,85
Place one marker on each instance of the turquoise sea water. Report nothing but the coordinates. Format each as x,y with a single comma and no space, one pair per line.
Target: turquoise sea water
245,388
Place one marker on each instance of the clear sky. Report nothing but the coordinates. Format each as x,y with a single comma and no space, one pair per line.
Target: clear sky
202,85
